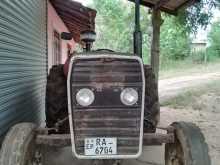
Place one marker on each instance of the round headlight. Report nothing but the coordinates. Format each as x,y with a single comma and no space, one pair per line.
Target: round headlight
129,96
85,97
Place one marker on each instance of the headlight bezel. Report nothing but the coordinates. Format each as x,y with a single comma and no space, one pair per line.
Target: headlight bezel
90,95
129,91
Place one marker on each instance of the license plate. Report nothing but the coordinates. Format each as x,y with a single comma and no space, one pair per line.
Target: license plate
100,146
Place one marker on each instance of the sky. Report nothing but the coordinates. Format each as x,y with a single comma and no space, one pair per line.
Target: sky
203,34
84,2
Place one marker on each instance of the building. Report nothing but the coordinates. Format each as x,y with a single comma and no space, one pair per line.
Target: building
57,48
66,16
198,46
30,44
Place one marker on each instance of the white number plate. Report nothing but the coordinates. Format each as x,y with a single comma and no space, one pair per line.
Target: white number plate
100,146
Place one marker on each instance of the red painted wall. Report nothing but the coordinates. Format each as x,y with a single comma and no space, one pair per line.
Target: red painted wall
55,23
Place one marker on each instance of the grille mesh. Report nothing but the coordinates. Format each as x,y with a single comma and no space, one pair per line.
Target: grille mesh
107,116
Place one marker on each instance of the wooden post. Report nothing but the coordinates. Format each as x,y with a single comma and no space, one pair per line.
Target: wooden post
155,45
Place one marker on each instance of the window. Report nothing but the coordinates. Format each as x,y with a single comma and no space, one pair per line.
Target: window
56,48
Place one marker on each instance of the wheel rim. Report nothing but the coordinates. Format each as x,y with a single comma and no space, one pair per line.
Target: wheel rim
175,155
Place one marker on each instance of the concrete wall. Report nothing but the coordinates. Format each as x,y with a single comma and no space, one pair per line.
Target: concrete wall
55,23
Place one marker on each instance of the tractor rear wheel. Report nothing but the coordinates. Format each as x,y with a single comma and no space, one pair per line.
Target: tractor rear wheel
18,147
189,147
152,106
56,99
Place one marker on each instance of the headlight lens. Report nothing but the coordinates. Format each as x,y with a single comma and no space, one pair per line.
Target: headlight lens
129,96
85,97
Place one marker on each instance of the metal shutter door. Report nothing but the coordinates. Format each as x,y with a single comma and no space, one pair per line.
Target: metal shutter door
23,61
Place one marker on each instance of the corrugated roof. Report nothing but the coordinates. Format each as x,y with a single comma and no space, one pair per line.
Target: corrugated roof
76,17
168,6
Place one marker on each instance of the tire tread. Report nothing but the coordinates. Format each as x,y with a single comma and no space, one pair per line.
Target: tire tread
193,142
15,144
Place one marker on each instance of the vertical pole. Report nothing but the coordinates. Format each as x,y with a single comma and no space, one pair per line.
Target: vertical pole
137,32
155,45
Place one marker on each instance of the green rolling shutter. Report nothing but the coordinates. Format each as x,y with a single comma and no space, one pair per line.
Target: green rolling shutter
23,61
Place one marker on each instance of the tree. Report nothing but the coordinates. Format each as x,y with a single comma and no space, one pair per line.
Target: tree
175,40
214,40
191,19
115,22
198,15
115,26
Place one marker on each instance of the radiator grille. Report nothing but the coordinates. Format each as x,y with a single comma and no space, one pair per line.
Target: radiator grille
107,116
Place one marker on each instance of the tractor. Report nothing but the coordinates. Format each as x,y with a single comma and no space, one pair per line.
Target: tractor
105,106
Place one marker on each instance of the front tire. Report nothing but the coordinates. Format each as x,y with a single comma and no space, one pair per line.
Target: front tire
56,99
18,147
189,147
152,106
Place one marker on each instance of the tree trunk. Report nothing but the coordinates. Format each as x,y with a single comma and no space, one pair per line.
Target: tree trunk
155,45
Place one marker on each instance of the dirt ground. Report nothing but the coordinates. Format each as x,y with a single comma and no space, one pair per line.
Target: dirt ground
202,109
173,86
205,112
208,121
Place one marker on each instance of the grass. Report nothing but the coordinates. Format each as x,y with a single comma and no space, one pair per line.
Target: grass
190,97
187,67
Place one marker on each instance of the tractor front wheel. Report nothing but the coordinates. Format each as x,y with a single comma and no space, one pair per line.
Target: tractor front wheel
19,147
189,147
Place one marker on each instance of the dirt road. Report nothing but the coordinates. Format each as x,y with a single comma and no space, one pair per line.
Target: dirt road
173,86
208,120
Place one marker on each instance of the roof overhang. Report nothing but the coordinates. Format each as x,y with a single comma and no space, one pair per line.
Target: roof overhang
75,16
168,6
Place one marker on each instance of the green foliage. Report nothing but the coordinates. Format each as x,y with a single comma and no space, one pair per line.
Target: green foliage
112,26
198,15
115,25
214,39
187,67
175,42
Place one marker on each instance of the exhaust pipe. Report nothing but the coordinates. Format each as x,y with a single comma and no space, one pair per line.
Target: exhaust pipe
137,32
